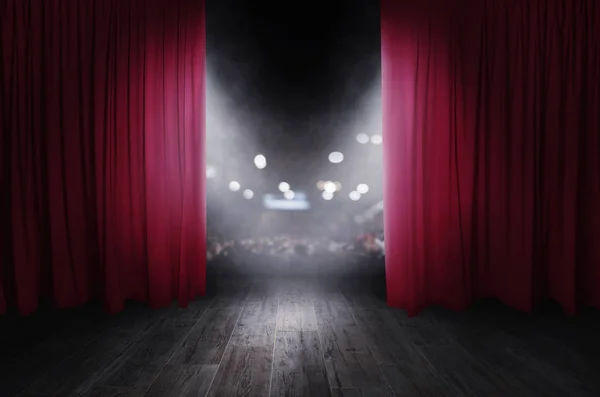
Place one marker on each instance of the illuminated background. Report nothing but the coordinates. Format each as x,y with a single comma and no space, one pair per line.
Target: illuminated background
293,94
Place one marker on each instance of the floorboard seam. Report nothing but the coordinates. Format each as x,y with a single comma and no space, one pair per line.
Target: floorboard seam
177,345
390,314
322,349
229,339
274,344
388,384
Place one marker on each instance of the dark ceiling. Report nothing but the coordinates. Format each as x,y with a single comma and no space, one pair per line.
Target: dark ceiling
295,62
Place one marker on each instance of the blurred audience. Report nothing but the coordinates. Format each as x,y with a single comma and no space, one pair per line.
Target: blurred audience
320,256
369,244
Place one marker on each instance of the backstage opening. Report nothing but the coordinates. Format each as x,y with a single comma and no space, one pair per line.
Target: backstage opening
294,146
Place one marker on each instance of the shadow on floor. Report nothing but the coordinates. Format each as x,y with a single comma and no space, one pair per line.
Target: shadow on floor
305,334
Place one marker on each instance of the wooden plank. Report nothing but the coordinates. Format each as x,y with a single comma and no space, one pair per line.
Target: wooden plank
398,350
332,311
258,318
366,392
231,294
109,391
348,360
341,337
194,310
142,363
183,381
244,371
296,316
206,342
298,367
358,370
388,341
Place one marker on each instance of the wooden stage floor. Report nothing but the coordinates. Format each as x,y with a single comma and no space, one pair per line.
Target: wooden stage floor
299,336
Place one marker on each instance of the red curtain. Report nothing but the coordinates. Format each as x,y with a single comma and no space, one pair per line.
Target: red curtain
102,169
491,113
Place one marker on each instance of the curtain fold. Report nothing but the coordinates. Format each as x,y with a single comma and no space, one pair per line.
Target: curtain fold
103,145
492,147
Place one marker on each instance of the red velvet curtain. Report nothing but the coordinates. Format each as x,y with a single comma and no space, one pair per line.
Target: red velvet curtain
491,113
102,171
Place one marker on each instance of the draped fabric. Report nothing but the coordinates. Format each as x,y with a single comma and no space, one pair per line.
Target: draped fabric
102,152
491,117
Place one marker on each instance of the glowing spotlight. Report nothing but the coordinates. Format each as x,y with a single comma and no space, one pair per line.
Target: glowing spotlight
329,187
362,138
376,139
321,185
338,186
289,194
260,161
248,194
284,187
234,186
336,157
211,172
327,195
362,188
354,195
